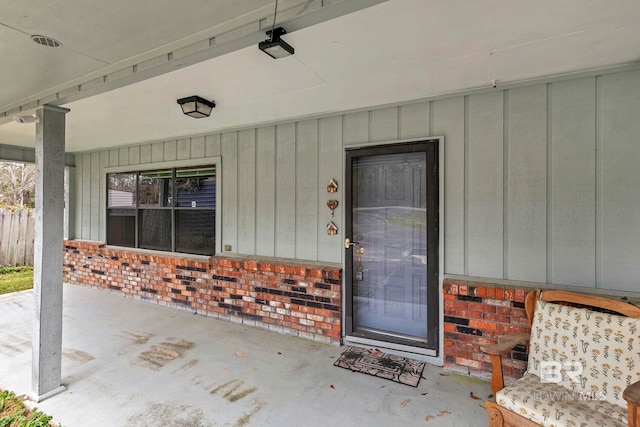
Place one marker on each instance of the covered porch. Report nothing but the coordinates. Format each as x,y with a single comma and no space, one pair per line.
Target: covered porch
530,115
126,362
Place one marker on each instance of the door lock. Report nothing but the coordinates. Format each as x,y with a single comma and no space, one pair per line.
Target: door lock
348,243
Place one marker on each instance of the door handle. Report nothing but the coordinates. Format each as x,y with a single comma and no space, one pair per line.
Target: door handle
348,243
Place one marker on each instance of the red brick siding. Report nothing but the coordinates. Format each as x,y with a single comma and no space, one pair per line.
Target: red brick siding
476,314
291,299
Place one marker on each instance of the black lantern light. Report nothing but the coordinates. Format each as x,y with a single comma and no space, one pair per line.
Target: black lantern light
196,107
275,47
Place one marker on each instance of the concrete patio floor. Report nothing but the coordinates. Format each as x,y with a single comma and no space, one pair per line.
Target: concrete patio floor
132,363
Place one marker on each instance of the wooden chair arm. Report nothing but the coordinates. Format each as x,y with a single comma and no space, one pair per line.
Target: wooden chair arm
505,343
632,395
495,351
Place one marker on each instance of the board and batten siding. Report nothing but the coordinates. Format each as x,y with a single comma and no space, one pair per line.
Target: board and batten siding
541,181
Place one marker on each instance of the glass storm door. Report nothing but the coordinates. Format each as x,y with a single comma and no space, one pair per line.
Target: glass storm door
391,246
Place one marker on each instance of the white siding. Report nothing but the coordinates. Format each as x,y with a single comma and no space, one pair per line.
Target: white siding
246,212
448,120
414,120
265,189
229,202
572,184
96,161
286,185
307,190
484,216
169,151
384,124
526,217
620,182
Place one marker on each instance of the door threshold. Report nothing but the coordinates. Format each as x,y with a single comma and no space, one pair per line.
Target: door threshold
406,350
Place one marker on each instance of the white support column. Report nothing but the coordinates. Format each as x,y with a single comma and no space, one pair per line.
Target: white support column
48,253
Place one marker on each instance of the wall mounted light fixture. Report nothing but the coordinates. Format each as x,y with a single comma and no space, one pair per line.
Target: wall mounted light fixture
196,107
33,118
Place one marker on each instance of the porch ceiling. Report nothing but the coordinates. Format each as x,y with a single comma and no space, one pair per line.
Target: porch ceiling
383,52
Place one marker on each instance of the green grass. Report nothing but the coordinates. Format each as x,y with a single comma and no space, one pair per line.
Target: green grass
14,413
407,220
14,279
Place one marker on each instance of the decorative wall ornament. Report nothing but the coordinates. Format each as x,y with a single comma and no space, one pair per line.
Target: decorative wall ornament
333,186
332,229
332,204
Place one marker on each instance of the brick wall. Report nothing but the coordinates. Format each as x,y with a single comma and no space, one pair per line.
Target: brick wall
288,298
476,313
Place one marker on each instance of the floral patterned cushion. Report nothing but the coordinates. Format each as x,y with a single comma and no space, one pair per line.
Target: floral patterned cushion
593,354
552,405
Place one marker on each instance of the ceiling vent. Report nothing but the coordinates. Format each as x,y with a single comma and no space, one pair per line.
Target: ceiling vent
46,41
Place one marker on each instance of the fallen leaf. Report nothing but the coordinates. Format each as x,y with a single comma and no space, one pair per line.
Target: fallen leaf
240,354
473,396
382,387
404,402
443,375
424,394
279,352
439,414
331,386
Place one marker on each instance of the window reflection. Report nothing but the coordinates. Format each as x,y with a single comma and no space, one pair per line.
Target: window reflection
154,189
121,190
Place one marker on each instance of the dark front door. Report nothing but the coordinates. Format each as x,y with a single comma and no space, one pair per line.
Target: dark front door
392,244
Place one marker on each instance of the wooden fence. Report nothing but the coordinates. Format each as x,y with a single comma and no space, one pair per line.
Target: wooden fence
16,240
